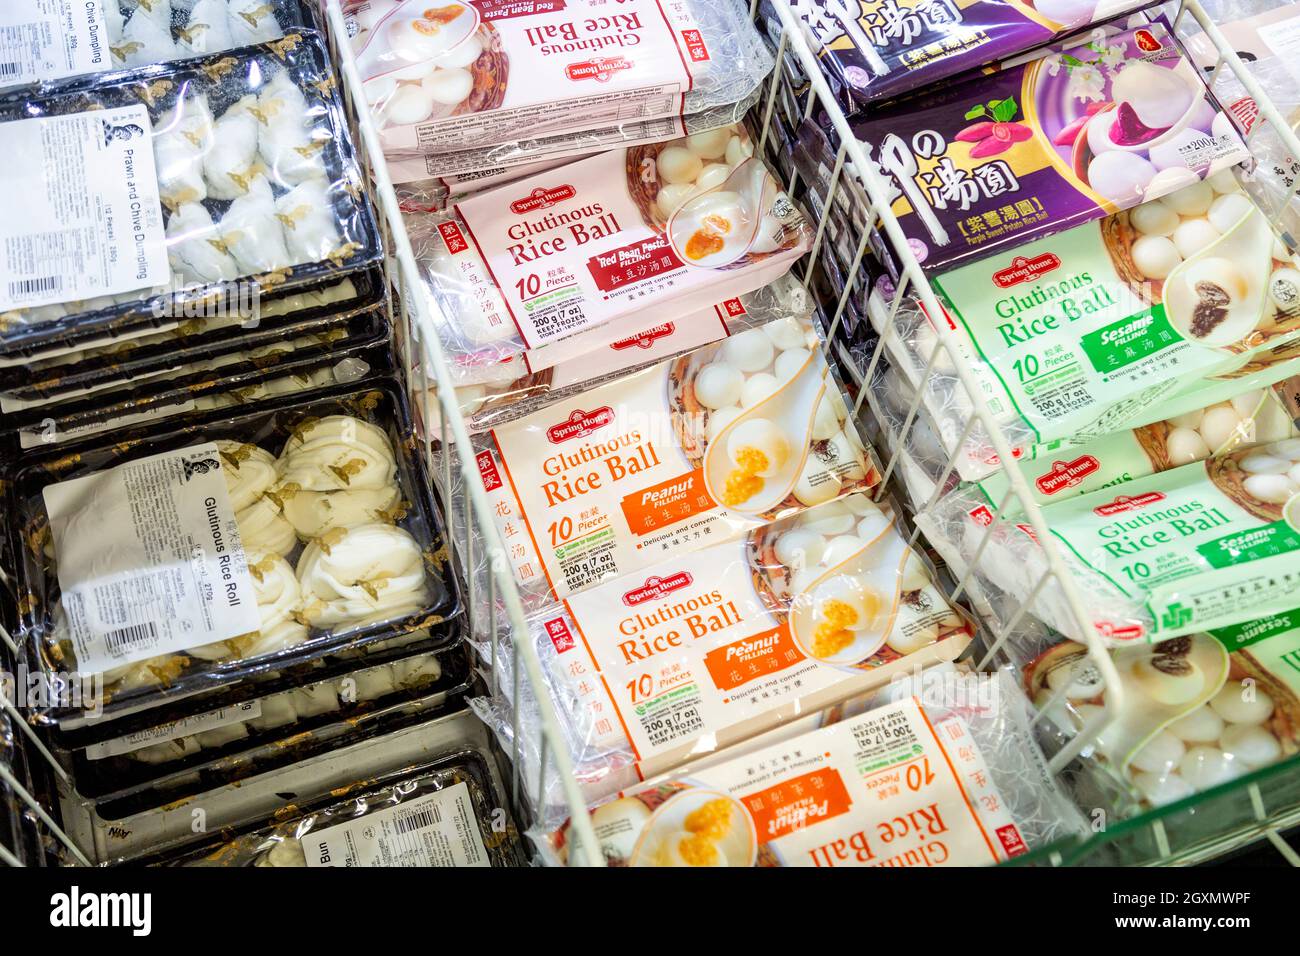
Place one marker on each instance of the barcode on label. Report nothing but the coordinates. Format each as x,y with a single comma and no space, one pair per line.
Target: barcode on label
417,820
10,69
123,639
25,287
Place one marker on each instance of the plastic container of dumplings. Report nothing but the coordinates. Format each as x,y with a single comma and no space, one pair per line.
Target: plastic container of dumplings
291,367
87,361
272,756
126,34
477,73
458,796
373,565
257,185
194,345
338,702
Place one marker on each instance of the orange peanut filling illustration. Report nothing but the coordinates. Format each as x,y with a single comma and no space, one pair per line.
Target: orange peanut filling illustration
743,482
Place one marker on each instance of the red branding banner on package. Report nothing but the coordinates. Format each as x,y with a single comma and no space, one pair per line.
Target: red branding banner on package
580,424
1066,474
487,468
1129,503
1025,270
599,69
640,260
657,587
644,340
509,9
695,47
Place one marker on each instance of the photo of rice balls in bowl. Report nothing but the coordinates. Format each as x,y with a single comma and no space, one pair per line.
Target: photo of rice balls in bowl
426,60
697,827
1264,480
760,413
1208,255
1133,130
856,595
718,205
1193,716
1250,418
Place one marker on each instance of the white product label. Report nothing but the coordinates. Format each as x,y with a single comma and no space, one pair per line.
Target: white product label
1283,38
50,432
129,743
149,559
80,216
538,66
48,39
584,244
436,830
895,787
445,165
628,343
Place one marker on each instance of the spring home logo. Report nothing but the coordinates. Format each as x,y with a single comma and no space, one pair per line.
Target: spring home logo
77,909
1023,269
657,587
541,198
580,424
1128,503
644,340
1066,474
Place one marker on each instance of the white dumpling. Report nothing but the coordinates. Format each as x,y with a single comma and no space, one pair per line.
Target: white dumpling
287,144
253,21
194,248
147,39
228,166
160,10
307,217
182,137
114,23
251,231
207,30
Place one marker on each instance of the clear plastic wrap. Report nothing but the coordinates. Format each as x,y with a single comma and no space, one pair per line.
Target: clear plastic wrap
252,163
1073,340
449,167
441,814
290,367
1209,544
618,237
479,73
1059,471
850,794
706,649
124,34
1198,711
350,309
694,450
515,392
151,763
1274,173
346,483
